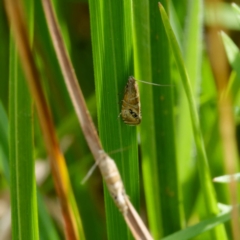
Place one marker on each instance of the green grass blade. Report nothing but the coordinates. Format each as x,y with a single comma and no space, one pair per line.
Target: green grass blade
23,185
4,152
46,227
206,225
192,57
175,23
159,162
4,164
47,230
142,70
4,54
233,55
50,67
203,169
164,126
112,53
232,51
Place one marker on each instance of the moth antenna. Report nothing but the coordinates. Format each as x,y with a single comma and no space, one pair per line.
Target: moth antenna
90,172
150,83
119,150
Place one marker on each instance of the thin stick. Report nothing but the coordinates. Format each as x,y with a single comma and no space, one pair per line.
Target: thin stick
71,82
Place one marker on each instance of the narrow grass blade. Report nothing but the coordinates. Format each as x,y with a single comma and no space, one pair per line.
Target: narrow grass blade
4,54
47,230
23,185
203,169
203,226
233,55
158,147
112,54
47,57
46,227
4,142
142,70
192,52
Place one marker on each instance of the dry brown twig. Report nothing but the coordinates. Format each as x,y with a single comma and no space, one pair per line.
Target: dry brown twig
107,165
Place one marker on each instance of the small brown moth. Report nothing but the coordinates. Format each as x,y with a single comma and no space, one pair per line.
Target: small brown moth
113,180
131,108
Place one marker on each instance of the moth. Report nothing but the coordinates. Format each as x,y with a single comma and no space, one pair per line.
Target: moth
131,107
113,180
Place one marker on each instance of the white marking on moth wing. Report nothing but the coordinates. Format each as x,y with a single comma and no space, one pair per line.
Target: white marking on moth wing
131,105
116,186
111,175
120,201
134,97
108,165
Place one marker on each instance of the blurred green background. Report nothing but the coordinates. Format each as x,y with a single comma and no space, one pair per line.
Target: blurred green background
74,19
